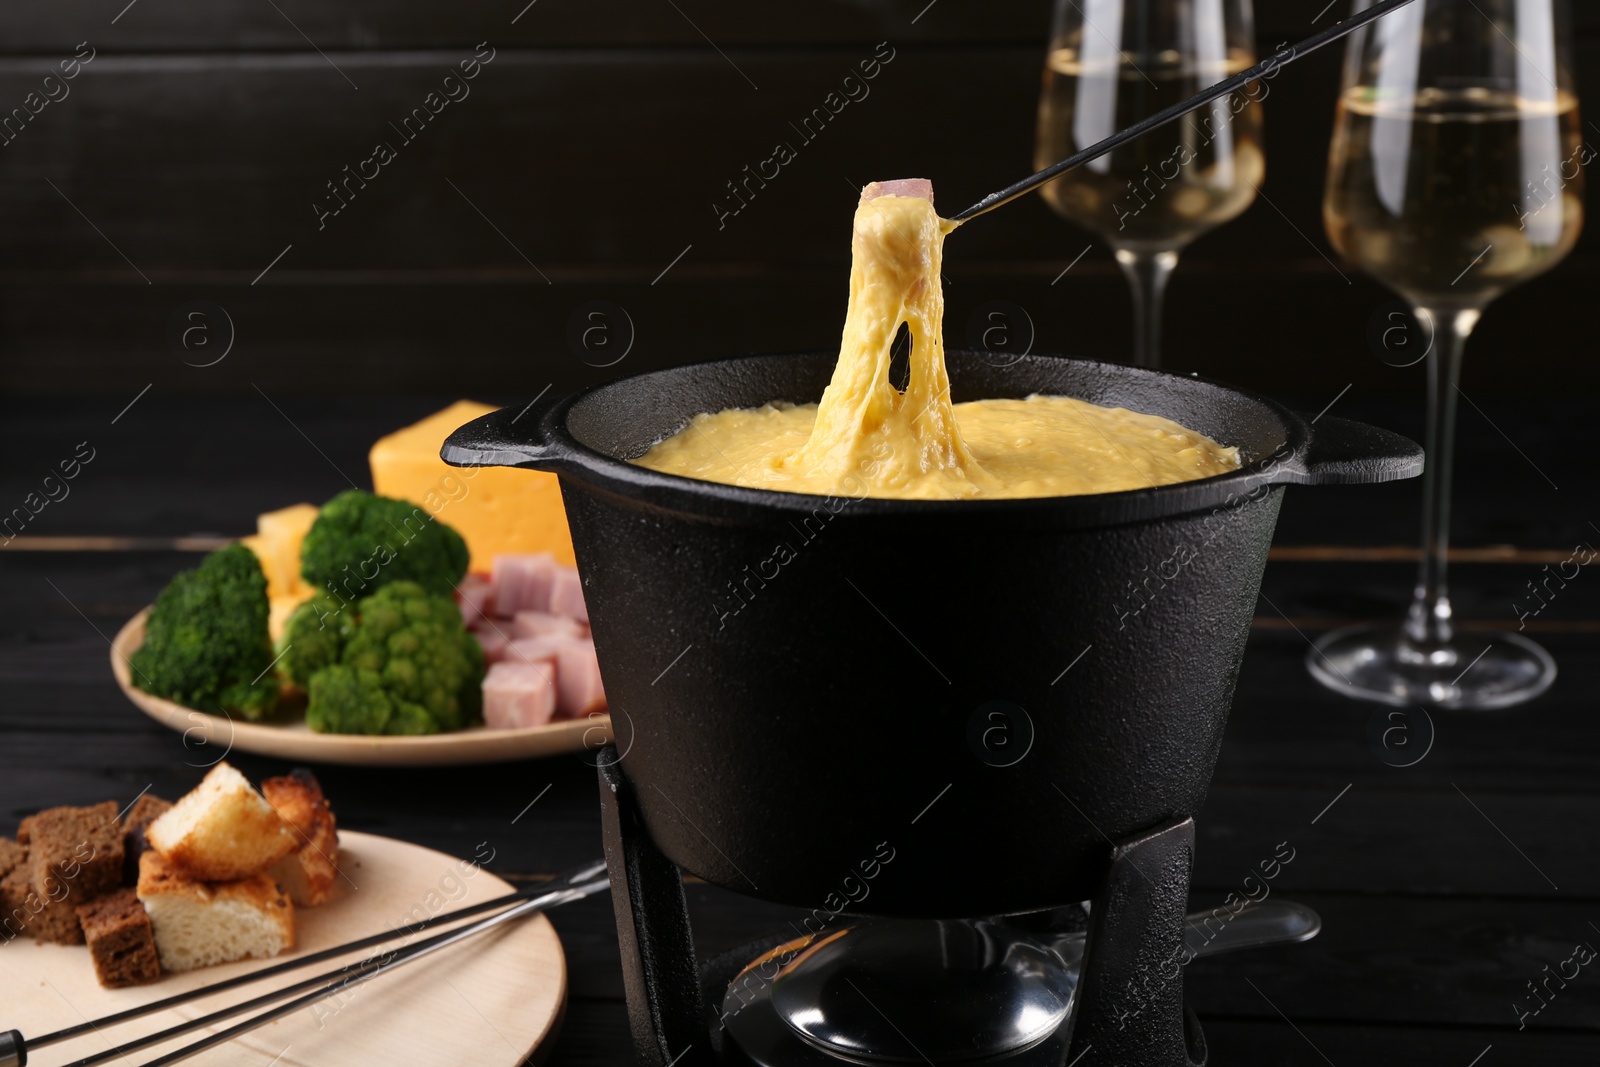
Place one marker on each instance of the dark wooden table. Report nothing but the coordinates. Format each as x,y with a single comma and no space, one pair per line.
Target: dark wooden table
1445,887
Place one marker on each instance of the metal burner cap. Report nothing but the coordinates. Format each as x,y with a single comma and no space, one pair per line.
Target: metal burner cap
915,992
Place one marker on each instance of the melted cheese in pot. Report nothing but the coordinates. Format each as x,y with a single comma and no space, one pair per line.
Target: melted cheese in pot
867,438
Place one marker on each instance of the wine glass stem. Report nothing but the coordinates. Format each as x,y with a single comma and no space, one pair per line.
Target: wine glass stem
1147,276
1429,620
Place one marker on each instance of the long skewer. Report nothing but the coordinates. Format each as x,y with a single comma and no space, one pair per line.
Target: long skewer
13,1044
1266,68
334,982
365,976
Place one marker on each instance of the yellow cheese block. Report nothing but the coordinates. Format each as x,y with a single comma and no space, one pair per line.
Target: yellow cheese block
277,545
279,608
284,529
498,510
258,544
287,527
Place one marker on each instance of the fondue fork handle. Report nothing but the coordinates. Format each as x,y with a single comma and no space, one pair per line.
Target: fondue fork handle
660,975
1130,990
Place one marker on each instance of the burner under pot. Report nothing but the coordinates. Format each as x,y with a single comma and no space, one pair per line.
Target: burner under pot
899,991
893,991
1020,991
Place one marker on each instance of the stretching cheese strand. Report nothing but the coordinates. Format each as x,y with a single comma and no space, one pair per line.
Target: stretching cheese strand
867,438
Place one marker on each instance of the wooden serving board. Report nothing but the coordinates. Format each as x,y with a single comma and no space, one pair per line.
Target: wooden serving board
488,1001
216,735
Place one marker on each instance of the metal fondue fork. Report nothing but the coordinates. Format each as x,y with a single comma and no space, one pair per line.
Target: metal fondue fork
573,885
1265,69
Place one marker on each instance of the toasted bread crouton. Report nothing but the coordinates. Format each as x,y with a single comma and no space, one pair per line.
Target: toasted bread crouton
220,831
120,938
198,924
309,873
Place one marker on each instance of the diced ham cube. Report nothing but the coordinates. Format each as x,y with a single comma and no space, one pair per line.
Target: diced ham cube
538,650
544,624
494,643
523,582
579,690
899,187
517,695
475,595
566,595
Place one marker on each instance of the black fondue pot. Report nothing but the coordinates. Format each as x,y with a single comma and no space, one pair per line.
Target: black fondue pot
836,703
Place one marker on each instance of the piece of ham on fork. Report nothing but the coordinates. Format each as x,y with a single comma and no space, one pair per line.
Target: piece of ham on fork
921,187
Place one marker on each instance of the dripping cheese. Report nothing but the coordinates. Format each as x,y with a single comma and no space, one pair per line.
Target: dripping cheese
869,438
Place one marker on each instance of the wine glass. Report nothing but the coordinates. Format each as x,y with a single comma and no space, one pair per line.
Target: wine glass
1454,174
1114,62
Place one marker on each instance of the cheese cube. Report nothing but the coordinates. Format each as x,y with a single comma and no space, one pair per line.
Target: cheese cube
277,545
279,608
498,510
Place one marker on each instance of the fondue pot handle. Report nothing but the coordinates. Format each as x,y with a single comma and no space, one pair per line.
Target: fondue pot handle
511,437
1344,452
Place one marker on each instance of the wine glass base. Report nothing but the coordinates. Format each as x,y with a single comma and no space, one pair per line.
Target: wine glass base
1474,671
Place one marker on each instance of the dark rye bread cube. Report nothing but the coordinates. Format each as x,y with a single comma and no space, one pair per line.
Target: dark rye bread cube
13,889
144,811
55,921
74,854
27,912
23,910
121,940
12,856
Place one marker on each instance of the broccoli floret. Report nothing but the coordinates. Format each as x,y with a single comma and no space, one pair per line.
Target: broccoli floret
361,543
205,640
406,664
410,720
348,700
254,700
313,638
416,643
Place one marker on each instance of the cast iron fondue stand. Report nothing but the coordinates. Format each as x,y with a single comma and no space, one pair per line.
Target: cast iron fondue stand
913,709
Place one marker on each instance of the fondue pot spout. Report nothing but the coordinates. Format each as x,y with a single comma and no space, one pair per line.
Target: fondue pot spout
833,702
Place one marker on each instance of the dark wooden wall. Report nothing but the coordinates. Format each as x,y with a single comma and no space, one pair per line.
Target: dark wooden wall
189,153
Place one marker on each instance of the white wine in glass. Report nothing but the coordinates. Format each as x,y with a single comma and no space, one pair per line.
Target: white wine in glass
1114,62
1459,191
1455,173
